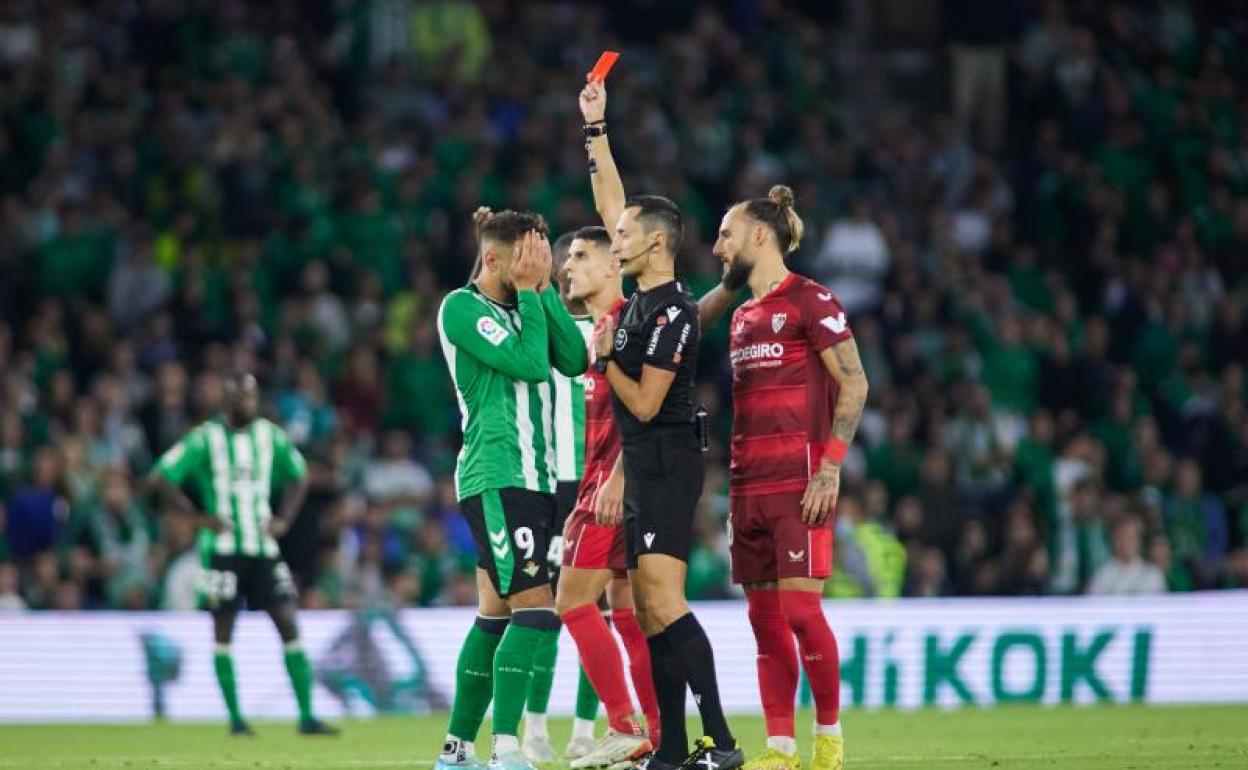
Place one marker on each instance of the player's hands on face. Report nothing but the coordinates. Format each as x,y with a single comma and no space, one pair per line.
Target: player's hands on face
609,507
594,102
821,492
526,264
547,259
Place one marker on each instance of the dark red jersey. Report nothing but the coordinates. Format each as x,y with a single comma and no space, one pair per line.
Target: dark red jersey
602,437
783,395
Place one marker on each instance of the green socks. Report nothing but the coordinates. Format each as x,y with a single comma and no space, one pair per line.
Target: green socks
530,630
224,666
586,699
543,674
300,671
474,676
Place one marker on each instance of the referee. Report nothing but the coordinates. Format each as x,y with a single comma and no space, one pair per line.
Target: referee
649,362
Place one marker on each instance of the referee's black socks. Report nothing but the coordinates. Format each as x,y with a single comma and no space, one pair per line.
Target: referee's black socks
691,651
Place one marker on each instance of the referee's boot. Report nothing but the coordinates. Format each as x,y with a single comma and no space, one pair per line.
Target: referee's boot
316,727
241,729
706,756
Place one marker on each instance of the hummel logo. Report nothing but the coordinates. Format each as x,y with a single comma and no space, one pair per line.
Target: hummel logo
836,325
672,312
649,538
797,555
813,657
498,544
826,296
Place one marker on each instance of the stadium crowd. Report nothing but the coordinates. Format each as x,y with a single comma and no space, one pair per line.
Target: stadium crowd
1048,281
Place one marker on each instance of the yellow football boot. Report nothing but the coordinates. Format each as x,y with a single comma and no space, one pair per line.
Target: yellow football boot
829,753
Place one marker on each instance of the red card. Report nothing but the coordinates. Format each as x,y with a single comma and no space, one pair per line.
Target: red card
604,65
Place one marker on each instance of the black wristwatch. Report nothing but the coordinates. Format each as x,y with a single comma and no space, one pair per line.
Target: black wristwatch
594,130
600,364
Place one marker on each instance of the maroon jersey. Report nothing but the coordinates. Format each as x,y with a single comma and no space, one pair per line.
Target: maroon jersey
783,395
602,437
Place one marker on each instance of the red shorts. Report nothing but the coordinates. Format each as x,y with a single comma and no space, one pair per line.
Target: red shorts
770,541
589,545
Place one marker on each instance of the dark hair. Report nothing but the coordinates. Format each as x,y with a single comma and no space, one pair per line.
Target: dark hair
594,234
559,249
776,211
508,226
657,211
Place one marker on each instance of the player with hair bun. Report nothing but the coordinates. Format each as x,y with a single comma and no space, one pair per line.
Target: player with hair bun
798,393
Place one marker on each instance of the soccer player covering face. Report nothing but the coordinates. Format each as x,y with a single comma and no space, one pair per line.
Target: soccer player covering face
594,556
798,393
232,464
501,334
648,359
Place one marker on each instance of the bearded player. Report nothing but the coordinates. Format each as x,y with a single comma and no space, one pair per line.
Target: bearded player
798,392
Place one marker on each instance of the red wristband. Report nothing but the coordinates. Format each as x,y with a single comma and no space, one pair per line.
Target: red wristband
835,450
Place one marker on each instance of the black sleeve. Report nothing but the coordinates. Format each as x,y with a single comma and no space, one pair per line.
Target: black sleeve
668,333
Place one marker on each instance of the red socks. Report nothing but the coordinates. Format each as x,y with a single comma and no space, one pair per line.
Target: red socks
626,625
820,656
777,660
601,659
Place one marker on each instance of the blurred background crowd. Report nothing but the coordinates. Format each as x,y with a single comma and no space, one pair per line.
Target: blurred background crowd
1035,212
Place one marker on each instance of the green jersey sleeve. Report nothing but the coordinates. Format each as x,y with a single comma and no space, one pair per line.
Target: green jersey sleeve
180,460
288,462
524,355
568,353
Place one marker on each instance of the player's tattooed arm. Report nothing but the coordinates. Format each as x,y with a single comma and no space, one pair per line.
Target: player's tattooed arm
845,365
604,176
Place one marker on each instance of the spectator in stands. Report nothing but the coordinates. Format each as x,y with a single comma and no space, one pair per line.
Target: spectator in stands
1197,528
1047,284
1128,573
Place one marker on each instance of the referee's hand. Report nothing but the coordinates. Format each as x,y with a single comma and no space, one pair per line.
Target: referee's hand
821,492
609,507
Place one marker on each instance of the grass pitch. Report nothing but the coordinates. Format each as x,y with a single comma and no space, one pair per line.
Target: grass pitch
1098,738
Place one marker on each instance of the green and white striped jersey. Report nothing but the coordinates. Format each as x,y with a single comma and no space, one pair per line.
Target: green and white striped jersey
233,473
570,415
500,358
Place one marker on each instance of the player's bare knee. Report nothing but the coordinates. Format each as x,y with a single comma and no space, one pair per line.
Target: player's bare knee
223,627
567,600
667,608
620,595
539,598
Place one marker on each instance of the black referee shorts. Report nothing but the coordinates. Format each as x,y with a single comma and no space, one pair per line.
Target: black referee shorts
663,472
